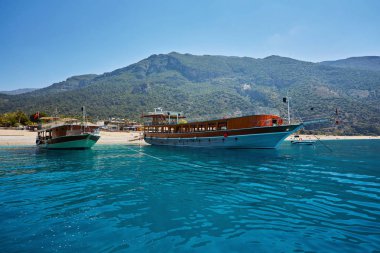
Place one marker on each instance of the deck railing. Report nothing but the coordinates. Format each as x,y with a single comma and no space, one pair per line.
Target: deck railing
192,127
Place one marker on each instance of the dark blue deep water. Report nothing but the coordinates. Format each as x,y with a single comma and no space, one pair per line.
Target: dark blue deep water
156,199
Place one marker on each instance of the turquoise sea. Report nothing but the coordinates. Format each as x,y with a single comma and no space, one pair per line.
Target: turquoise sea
158,199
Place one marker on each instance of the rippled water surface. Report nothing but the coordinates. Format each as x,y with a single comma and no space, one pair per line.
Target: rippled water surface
155,199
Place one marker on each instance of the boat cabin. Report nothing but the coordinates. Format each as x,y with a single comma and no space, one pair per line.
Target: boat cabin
65,130
172,122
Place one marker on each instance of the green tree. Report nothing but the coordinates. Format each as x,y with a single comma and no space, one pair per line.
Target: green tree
13,119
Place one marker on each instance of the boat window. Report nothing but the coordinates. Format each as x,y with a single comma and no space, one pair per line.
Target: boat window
222,125
211,127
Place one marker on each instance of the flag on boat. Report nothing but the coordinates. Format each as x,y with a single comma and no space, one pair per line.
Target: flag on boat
36,115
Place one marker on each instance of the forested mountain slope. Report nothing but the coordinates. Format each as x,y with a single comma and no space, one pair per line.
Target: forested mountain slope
207,87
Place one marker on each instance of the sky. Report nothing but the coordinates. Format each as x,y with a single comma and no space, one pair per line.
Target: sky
43,42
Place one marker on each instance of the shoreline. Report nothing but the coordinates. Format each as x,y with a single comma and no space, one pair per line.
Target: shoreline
25,137
28,138
333,137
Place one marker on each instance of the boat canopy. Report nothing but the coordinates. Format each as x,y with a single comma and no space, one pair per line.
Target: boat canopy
159,113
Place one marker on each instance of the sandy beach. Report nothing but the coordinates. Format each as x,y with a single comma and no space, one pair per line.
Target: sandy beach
333,137
25,137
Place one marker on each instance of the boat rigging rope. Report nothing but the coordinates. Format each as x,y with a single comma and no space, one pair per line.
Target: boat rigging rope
325,145
142,153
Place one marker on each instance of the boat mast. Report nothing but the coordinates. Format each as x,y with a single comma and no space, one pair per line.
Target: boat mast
55,117
288,100
84,117
288,111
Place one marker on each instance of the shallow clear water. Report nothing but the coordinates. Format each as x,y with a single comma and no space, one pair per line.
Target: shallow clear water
157,199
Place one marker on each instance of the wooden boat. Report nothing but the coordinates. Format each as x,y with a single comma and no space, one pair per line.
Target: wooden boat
67,134
255,131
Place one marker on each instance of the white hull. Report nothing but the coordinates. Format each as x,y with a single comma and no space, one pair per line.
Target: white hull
265,140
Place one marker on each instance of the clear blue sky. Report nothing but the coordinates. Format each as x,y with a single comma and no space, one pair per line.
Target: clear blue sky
42,42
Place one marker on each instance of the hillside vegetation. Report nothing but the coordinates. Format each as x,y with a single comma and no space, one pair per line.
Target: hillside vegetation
365,63
206,87
18,91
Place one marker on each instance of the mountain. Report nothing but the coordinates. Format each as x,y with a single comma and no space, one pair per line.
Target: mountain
206,87
364,63
72,83
18,91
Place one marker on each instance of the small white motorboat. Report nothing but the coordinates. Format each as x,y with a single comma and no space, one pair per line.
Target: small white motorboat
297,140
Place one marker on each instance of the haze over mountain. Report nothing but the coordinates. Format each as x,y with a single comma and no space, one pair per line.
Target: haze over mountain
363,63
205,87
18,91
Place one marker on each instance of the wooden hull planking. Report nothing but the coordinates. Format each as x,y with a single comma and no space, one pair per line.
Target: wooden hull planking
258,137
83,141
